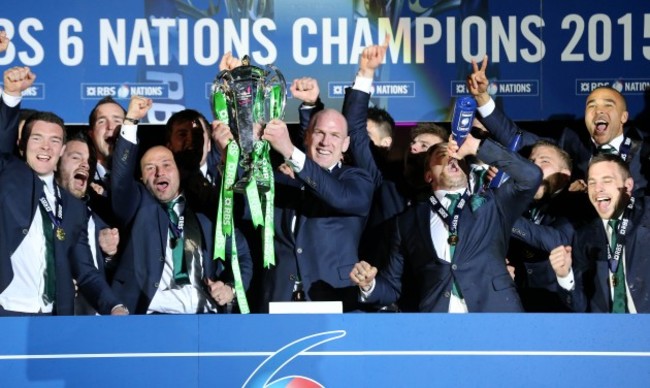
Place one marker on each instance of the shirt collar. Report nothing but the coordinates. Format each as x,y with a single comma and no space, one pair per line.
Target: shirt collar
616,142
49,181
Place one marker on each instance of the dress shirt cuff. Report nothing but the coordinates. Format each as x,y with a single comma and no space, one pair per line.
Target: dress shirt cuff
130,133
487,109
297,160
366,294
362,84
567,282
9,100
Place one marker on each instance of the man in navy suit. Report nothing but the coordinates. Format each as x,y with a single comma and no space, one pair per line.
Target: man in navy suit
167,265
548,222
103,123
75,169
605,118
320,210
607,268
452,248
43,236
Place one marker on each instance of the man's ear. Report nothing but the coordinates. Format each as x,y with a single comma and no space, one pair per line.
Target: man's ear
629,185
386,142
346,144
624,116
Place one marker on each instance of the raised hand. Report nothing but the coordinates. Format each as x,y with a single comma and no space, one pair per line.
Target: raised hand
306,90
4,41
17,79
229,62
372,57
138,107
277,134
477,82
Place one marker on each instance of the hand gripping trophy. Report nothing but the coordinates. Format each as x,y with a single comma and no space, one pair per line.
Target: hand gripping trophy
246,98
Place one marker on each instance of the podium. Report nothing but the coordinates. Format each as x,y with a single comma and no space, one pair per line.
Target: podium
334,350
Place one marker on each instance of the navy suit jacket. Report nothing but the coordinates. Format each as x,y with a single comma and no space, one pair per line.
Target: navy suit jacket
479,259
140,268
331,211
20,190
388,201
530,246
580,147
591,268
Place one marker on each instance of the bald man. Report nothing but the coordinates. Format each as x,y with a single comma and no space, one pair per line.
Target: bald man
167,265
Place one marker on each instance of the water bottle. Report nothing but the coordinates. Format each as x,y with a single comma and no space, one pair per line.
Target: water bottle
462,119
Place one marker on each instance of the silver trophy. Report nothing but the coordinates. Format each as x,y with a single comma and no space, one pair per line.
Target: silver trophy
246,98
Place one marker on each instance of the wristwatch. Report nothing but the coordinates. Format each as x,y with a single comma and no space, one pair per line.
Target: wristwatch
134,121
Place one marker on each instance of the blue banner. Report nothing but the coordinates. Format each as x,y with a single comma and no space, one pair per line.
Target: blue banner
545,55
346,350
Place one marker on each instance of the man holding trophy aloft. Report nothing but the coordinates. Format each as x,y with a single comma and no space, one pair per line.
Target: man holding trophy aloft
320,206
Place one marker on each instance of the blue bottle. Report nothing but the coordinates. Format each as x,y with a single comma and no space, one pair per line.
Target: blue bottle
461,122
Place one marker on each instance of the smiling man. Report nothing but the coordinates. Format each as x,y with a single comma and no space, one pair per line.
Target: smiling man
74,171
103,123
606,120
167,265
319,213
607,268
44,242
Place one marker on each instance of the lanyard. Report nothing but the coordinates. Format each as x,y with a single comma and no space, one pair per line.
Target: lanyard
624,151
55,217
451,221
613,257
175,228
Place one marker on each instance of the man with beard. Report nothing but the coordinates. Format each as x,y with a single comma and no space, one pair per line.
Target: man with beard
75,168
104,121
451,248
167,265
607,267
605,118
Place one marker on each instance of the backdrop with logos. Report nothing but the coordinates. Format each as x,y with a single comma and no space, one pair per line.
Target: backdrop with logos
545,55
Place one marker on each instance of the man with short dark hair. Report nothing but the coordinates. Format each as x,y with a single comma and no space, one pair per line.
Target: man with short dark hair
451,248
43,237
74,171
103,121
605,118
607,268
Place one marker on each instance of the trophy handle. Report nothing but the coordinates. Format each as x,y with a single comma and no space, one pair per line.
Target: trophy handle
276,92
220,97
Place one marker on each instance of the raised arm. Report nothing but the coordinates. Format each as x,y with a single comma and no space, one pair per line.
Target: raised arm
126,191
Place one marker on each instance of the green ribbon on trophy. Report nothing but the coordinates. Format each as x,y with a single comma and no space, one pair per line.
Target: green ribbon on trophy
246,98
225,224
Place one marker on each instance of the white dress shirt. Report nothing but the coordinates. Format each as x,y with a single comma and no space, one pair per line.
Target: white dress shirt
25,291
